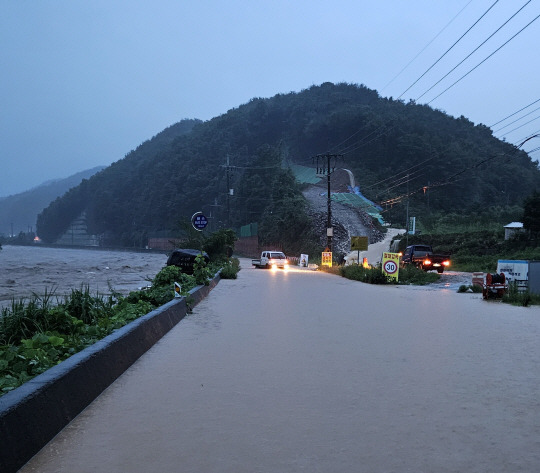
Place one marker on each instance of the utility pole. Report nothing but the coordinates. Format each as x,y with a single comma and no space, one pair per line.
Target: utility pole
407,217
213,219
326,165
228,192
227,166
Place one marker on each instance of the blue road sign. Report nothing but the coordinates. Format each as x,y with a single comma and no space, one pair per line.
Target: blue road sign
199,221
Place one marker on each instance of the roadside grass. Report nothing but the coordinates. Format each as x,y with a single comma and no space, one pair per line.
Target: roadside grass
417,277
523,299
409,275
39,333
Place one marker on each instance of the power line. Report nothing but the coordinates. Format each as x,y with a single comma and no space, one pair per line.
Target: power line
347,139
450,48
516,120
358,144
476,49
484,60
520,126
515,113
406,171
355,146
525,138
381,130
426,46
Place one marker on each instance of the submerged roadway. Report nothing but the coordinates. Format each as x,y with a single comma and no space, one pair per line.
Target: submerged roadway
305,371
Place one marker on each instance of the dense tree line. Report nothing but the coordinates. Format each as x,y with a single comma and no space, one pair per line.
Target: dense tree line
453,166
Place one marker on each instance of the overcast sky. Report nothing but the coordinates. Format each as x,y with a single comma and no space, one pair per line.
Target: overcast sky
84,82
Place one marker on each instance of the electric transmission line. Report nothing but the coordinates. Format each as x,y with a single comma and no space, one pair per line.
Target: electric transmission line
516,120
450,48
484,60
474,50
515,113
426,46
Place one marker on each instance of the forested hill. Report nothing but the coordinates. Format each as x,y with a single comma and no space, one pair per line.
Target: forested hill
18,212
393,148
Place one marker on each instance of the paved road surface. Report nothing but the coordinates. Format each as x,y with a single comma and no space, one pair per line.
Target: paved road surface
305,371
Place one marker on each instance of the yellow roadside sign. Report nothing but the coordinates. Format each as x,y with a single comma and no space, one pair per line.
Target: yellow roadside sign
390,265
359,243
326,259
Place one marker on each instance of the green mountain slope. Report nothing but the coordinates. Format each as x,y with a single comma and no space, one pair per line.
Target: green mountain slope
18,213
447,164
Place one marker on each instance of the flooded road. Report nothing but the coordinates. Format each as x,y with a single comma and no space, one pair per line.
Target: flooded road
306,371
25,270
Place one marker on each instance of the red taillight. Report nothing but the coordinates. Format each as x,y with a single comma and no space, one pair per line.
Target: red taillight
427,262
446,263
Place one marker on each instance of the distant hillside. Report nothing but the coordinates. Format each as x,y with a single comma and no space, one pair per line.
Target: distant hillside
19,212
393,148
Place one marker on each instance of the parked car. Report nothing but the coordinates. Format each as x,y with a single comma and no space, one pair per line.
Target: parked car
185,259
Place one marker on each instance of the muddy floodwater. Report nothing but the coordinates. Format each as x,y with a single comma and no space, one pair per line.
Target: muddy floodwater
303,371
26,270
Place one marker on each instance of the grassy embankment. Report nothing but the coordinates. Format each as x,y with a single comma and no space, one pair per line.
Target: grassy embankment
39,333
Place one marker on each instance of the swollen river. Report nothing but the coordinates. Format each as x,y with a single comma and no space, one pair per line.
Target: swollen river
27,270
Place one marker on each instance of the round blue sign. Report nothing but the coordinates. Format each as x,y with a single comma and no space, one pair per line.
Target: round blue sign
199,221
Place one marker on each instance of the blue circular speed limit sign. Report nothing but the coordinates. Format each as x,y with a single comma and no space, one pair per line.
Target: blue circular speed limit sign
199,221
390,267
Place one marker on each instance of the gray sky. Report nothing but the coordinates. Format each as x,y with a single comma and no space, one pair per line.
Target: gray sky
84,82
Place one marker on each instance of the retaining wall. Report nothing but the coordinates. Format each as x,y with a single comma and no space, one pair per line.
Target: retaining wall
31,415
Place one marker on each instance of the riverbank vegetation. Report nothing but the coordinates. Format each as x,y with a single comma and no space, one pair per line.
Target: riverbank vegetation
40,332
520,298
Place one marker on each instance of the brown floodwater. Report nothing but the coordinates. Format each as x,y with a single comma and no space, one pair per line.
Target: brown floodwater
27,270
304,371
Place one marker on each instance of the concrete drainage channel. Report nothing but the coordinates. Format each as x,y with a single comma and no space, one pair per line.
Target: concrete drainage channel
31,415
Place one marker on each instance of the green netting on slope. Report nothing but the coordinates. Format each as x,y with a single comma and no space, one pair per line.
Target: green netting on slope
356,201
304,174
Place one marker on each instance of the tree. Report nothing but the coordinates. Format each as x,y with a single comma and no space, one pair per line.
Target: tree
531,213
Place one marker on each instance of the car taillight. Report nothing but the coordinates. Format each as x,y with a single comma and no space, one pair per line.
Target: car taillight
446,263
427,262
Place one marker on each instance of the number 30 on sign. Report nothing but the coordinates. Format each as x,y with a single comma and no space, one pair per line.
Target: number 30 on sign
390,265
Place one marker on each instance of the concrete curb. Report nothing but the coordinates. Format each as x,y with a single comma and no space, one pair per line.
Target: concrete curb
31,415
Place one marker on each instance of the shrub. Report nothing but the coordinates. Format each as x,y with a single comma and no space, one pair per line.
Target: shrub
219,245
230,269
368,275
201,271
515,297
418,277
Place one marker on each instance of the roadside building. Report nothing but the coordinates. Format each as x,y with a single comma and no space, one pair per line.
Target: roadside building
511,229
